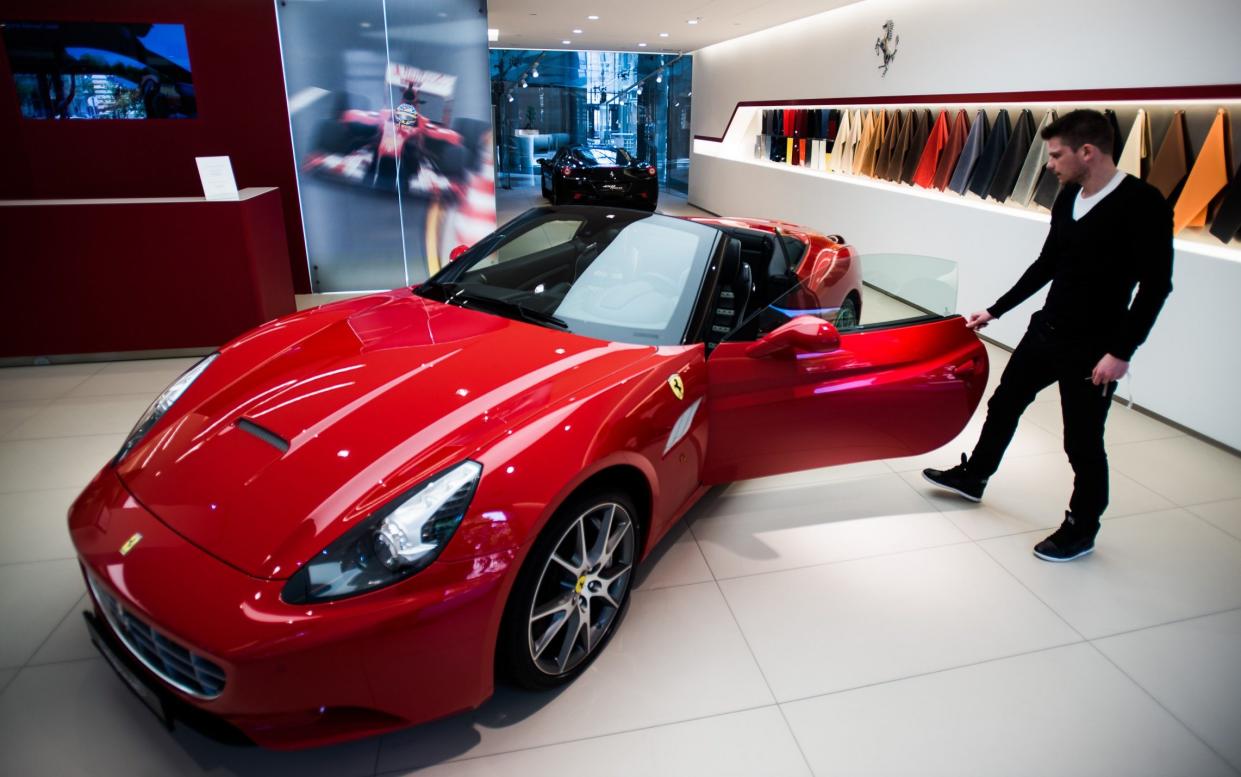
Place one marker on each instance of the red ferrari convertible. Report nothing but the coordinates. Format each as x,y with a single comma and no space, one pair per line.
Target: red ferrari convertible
355,518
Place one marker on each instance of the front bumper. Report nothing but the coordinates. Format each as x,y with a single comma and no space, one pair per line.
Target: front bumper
293,676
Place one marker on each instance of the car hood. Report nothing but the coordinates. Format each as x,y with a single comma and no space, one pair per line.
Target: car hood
302,428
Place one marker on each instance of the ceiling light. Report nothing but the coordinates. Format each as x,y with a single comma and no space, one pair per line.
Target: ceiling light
593,18
639,89
364,25
663,34
577,32
523,83
535,72
510,98
691,21
493,34
641,45
659,79
566,42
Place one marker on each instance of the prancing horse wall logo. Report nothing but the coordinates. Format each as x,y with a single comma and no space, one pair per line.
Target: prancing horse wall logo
885,45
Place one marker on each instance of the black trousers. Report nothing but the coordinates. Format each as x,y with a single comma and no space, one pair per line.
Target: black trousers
1041,358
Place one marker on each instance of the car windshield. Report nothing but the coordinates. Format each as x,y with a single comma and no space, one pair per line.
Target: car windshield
602,157
614,275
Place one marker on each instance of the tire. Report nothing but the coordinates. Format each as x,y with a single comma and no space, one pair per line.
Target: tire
451,160
850,313
555,197
571,592
411,165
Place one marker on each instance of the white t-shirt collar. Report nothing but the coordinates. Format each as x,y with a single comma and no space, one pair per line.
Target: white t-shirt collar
1082,204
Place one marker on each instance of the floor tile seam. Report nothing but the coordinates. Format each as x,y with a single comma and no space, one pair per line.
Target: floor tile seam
796,741
52,633
933,672
588,738
869,557
1164,707
1162,624
62,436
1212,502
749,647
34,561
1030,590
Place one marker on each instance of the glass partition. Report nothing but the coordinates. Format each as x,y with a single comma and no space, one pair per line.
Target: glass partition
544,100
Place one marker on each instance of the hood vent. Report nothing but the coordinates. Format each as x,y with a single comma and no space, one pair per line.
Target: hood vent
266,435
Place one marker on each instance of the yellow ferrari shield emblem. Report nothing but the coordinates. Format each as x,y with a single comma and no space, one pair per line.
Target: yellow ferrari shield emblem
581,583
677,385
131,542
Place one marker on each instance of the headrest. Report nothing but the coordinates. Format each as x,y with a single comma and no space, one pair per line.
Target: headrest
730,263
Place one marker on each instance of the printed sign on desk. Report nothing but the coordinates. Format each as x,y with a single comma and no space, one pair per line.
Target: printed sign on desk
217,176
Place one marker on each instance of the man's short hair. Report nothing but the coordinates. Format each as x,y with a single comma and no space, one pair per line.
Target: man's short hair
1076,128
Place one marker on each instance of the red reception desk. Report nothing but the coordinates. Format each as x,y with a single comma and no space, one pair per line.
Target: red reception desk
119,275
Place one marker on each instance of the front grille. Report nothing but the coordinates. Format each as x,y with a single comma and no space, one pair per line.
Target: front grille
179,667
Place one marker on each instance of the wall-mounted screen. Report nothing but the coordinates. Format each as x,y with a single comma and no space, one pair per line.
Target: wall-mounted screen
96,70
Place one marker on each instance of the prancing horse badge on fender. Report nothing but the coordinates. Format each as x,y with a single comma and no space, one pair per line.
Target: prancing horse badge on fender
677,385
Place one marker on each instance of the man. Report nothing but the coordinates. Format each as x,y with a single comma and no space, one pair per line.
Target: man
1109,233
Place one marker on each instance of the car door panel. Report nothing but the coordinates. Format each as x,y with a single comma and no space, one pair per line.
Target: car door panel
884,393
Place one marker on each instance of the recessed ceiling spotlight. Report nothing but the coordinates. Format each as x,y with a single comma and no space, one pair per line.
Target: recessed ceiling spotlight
364,25
663,34
593,18
577,32
566,42
641,45
535,72
691,21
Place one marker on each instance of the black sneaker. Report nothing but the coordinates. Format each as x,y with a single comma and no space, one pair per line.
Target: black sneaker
1072,540
958,480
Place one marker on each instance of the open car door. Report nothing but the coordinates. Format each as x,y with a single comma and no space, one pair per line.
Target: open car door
787,391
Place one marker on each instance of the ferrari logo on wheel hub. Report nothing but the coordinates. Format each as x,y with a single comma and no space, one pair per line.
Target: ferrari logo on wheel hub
581,583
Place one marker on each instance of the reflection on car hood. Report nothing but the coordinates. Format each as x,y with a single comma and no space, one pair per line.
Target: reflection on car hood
368,398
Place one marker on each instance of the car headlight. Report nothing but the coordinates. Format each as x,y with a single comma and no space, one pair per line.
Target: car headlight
394,543
160,406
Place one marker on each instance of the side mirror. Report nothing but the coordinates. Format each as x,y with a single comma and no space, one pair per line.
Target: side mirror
806,334
457,252
543,162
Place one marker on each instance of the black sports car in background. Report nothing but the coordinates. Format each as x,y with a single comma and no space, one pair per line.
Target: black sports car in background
583,174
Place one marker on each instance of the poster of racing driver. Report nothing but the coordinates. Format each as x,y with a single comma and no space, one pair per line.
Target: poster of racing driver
390,111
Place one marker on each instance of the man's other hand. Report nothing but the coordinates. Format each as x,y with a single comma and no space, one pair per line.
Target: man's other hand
1108,369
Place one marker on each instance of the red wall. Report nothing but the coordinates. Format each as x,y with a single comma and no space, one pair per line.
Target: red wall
234,53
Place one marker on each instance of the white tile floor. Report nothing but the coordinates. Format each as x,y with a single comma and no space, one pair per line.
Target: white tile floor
842,621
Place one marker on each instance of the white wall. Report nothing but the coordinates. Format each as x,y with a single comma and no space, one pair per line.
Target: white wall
1189,371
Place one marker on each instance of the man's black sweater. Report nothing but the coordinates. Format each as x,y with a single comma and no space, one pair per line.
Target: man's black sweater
1093,264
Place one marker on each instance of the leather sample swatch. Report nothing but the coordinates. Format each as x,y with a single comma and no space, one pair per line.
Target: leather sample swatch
1014,154
952,151
1048,189
917,142
935,143
864,142
865,165
1035,164
790,152
970,153
1136,154
1110,115
1208,177
884,159
984,171
842,157
1227,221
901,150
1171,163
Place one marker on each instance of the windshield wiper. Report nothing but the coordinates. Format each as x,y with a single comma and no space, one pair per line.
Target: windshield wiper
457,294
